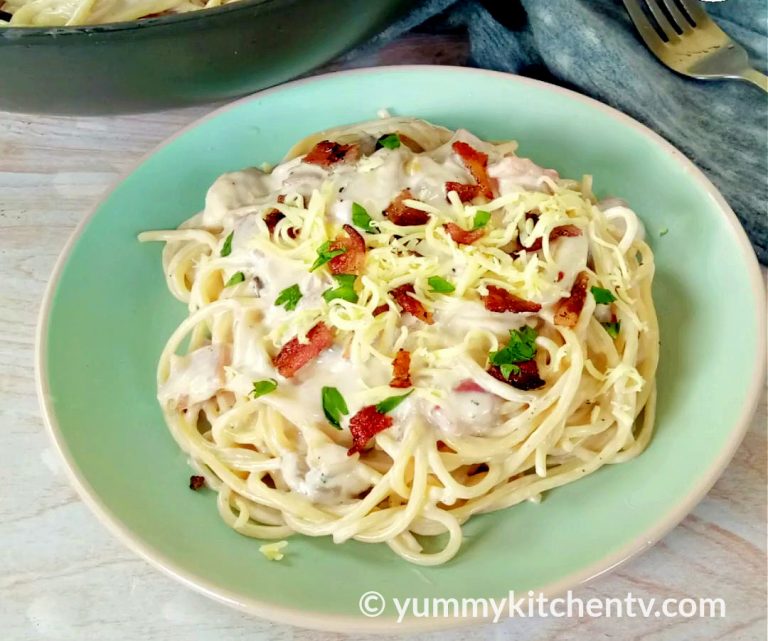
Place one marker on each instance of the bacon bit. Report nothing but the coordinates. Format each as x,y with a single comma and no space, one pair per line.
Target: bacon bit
409,305
466,193
380,309
295,355
274,216
526,379
500,300
352,261
364,426
477,163
557,232
196,482
560,276
567,310
327,153
401,370
410,143
401,214
468,385
442,446
462,236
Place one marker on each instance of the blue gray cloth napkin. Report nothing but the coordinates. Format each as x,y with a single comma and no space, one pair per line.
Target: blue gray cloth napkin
592,47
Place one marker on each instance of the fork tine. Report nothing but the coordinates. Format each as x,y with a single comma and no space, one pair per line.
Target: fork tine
677,15
664,24
694,9
644,27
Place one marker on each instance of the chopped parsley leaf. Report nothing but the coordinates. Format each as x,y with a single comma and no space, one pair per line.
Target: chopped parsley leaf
345,290
481,219
602,296
440,285
263,387
334,406
361,219
388,404
390,141
226,248
521,348
612,329
237,277
289,297
325,254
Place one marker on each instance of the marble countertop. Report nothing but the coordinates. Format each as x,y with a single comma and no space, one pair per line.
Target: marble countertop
62,576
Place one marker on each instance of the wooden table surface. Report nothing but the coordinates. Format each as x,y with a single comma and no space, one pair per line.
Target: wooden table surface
62,576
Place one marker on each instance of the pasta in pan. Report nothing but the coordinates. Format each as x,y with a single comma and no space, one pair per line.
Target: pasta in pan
60,13
400,326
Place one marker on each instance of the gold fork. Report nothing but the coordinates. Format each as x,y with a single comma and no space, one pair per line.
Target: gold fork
688,41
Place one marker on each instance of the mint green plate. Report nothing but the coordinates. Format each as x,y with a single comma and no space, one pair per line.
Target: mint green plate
107,315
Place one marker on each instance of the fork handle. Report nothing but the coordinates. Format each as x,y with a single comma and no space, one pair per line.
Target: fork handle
756,78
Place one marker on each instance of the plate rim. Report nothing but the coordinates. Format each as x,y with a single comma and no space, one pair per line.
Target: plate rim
361,624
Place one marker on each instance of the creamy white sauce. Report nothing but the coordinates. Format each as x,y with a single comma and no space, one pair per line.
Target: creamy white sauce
516,174
195,377
457,316
325,474
570,254
466,413
233,191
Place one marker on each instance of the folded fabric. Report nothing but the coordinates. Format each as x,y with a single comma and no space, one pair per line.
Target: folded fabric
592,47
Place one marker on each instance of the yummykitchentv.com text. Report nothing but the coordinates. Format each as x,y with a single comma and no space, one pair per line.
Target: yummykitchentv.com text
533,604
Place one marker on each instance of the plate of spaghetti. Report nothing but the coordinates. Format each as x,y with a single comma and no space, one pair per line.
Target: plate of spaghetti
409,338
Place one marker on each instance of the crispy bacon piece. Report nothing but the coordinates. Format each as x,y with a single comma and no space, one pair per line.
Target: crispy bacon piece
295,355
380,309
466,192
557,232
477,164
196,482
364,426
274,216
500,300
401,214
410,305
567,310
462,236
401,370
327,153
352,260
526,379
410,143
468,385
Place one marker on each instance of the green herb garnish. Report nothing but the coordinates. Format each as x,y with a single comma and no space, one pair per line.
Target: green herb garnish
226,248
521,348
440,285
390,141
324,254
361,219
602,296
289,297
263,387
345,290
481,219
334,406
509,368
388,404
237,277
612,329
